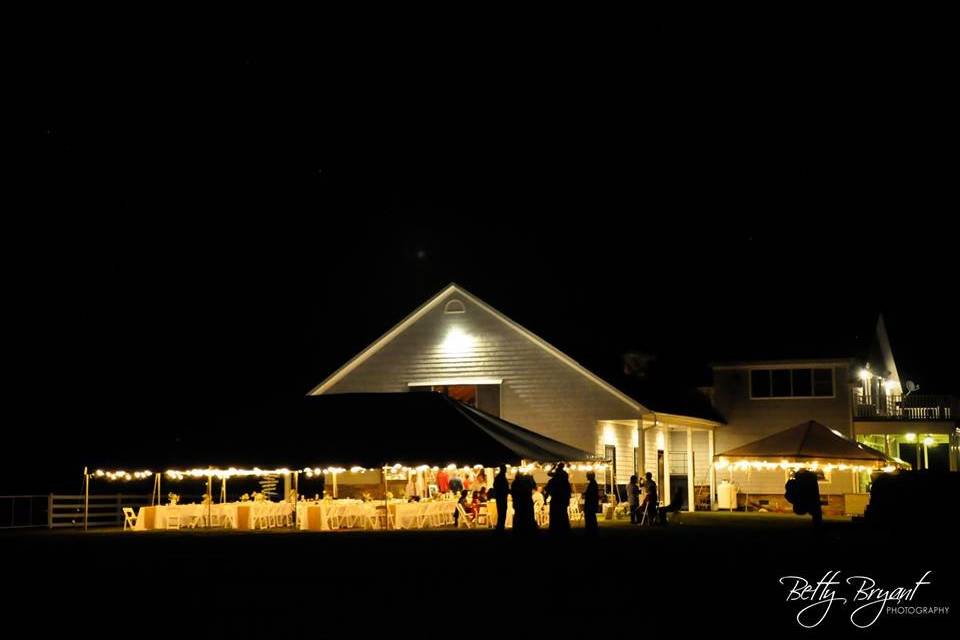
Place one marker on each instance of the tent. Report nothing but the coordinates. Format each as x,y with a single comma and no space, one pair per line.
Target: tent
365,430
809,444
378,429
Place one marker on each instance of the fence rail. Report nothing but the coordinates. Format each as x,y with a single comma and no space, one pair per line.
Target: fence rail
56,511
909,407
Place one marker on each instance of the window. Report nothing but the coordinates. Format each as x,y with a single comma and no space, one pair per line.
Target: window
823,382
802,381
454,306
780,383
485,397
791,383
610,453
760,383
465,393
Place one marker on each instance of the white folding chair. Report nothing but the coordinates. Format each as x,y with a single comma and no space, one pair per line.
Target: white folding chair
129,518
173,521
482,518
333,516
464,519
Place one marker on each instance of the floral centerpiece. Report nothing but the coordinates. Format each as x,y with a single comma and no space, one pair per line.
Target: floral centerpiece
245,497
173,498
367,497
259,497
207,499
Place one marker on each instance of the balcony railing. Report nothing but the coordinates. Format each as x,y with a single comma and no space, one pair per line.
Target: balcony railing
911,407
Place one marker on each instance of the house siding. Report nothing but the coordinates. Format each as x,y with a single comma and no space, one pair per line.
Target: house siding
539,390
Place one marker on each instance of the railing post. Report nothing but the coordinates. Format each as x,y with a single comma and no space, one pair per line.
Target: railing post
50,511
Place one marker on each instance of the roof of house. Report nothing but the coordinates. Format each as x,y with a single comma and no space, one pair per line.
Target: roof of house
430,304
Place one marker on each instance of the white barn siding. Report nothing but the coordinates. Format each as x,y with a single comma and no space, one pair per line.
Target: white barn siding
539,391
624,437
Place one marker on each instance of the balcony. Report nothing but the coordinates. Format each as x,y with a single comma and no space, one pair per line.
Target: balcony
911,407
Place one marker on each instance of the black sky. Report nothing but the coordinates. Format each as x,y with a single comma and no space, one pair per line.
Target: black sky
208,231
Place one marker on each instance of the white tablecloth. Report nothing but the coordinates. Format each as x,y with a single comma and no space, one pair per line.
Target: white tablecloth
242,515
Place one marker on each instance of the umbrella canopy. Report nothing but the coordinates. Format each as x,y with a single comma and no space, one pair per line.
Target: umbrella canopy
810,442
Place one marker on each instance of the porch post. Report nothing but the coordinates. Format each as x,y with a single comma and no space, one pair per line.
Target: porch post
954,451
712,473
666,467
691,506
641,451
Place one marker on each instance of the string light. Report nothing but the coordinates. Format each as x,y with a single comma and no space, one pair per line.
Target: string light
758,465
121,475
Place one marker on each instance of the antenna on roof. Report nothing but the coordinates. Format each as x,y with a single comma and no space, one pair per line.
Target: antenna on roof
911,387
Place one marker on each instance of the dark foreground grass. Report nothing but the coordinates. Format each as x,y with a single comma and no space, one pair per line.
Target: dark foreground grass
715,572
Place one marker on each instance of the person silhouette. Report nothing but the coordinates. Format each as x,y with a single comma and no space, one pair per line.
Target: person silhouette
633,499
804,492
522,492
591,503
558,490
501,490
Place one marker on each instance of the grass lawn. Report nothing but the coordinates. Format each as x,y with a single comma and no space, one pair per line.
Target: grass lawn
717,571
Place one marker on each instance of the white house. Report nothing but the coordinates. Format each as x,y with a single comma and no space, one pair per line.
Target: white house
456,344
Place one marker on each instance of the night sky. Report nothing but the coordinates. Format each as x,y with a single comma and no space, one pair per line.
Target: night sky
208,232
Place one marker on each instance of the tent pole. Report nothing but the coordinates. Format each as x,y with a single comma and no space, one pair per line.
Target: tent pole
86,497
386,501
210,498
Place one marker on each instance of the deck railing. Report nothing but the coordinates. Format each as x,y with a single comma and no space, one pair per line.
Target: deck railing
910,407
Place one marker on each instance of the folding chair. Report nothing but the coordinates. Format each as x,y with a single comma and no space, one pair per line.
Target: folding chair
129,518
650,514
464,519
173,522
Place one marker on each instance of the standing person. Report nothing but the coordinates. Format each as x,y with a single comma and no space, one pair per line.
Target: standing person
501,490
804,492
455,484
558,490
443,481
633,499
522,492
591,503
650,498
481,480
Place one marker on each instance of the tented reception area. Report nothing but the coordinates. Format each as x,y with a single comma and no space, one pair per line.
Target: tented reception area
844,469
361,461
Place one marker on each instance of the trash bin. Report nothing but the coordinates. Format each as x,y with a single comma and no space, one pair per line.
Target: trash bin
727,496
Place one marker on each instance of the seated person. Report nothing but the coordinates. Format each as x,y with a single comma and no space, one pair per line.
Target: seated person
481,495
462,501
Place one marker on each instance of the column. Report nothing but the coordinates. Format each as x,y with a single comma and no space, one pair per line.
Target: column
691,494
666,467
712,473
641,452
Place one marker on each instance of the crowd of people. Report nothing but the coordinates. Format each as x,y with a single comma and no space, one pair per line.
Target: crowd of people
472,491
